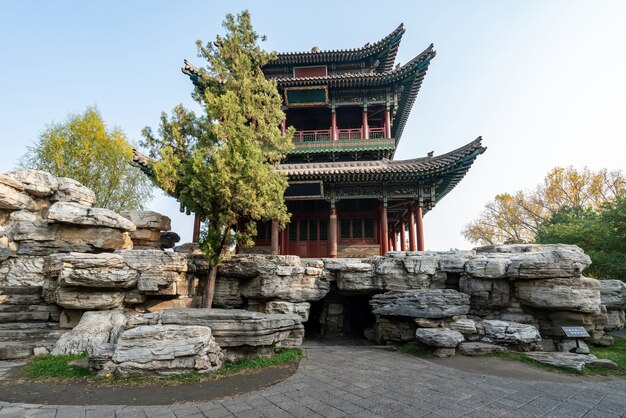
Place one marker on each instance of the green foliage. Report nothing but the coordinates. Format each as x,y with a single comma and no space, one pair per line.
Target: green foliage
221,164
58,368
516,218
82,148
601,234
617,353
55,367
413,351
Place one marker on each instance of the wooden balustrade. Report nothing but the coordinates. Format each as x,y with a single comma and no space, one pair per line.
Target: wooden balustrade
342,134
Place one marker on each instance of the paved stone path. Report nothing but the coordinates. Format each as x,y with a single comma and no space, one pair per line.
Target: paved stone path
344,381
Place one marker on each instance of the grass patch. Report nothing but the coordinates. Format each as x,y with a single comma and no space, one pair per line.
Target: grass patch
58,368
413,351
617,353
55,367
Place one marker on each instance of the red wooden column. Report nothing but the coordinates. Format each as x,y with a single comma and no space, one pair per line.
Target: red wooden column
196,228
283,241
384,239
394,239
366,128
402,235
332,232
333,125
387,123
412,232
275,233
419,228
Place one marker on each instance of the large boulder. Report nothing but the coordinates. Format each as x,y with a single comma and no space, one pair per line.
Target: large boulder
165,350
431,303
22,271
505,332
439,337
240,333
94,330
154,260
40,237
275,277
88,299
281,307
77,214
613,294
474,349
491,266
567,294
147,219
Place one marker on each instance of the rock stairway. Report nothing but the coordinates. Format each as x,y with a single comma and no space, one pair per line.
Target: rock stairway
26,322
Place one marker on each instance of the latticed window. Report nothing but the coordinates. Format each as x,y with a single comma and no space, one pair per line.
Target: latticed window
313,230
357,228
323,230
368,228
293,232
345,228
303,230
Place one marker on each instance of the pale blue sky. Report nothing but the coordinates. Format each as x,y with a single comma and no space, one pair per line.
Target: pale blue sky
542,81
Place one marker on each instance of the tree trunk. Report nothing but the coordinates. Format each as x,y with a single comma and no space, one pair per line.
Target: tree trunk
209,288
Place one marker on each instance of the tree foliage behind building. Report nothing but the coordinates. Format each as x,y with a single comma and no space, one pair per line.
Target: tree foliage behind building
221,164
83,148
517,217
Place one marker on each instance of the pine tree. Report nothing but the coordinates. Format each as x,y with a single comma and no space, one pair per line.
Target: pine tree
221,164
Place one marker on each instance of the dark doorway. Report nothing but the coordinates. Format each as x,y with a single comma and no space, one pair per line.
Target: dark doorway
357,316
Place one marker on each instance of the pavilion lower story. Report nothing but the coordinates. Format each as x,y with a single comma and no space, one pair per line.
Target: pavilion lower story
347,228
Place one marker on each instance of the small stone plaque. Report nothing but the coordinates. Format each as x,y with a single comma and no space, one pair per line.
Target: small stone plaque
575,332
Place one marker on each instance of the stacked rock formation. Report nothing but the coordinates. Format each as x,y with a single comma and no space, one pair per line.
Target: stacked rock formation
152,230
177,340
613,297
42,215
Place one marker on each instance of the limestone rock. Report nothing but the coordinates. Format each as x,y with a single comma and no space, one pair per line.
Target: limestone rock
432,303
77,214
464,326
281,307
439,337
569,294
79,298
510,332
156,305
241,334
13,199
105,277
444,352
41,238
69,190
168,239
34,182
154,260
147,219
94,329
486,294
162,282
166,349
474,349
22,271
492,266
548,262
275,277
392,329
149,235
567,360
227,294
398,271
613,294
616,320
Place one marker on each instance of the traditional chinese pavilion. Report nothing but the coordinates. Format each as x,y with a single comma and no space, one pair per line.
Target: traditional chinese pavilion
347,195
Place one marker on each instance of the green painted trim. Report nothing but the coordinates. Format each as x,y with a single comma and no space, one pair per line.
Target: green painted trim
344,145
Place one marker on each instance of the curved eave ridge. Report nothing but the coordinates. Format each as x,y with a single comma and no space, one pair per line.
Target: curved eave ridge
417,65
386,49
453,161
